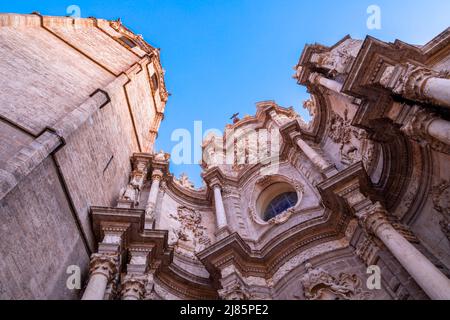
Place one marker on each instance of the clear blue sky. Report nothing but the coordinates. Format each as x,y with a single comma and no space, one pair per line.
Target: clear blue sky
224,56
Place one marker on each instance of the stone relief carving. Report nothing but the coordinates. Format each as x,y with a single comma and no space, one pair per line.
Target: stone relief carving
161,156
368,249
184,181
339,60
320,285
131,192
311,106
441,201
191,236
407,80
343,133
234,291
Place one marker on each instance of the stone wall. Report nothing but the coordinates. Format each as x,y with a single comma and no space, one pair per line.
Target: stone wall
39,238
51,72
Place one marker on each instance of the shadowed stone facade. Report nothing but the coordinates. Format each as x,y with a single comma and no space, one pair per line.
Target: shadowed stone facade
289,209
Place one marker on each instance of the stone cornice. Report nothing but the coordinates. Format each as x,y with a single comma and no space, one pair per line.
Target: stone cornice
344,182
133,220
265,261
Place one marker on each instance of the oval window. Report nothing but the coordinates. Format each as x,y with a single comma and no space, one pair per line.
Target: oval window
280,204
276,199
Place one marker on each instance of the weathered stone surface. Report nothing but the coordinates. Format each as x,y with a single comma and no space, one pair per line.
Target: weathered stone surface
289,209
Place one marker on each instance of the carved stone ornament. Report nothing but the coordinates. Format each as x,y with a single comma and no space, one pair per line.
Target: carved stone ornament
104,263
161,156
320,285
131,193
277,220
185,182
416,128
191,236
134,287
311,106
138,39
407,80
336,62
234,291
345,135
367,250
441,201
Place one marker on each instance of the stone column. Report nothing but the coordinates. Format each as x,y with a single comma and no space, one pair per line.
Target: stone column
417,83
102,269
435,284
135,281
437,90
318,79
423,125
133,287
153,196
220,209
312,154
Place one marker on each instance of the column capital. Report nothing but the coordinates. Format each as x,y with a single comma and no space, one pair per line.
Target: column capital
408,80
157,174
416,126
133,287
427,128
373,217
104,264
314,78
216,183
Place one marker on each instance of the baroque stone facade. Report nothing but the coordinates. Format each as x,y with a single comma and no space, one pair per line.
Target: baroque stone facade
289,209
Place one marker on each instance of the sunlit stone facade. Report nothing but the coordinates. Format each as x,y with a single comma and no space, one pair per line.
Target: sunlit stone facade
289,209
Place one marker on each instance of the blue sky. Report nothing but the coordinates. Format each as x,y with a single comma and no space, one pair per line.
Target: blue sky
222,57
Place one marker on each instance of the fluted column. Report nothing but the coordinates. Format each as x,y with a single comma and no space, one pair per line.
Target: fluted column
103,267
318,79
153,195
417,83
435,284
220,209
